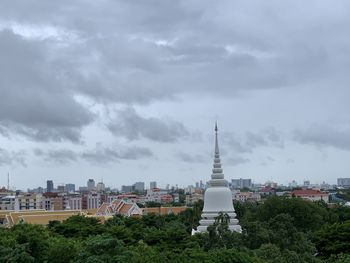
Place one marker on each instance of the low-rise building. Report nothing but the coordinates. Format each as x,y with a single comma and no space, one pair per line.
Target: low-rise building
74,202
158,195
247,197
91,201
313,195
7,202
53,203
29,202
193,198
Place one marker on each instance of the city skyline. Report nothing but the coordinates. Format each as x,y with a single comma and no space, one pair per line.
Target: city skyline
131,98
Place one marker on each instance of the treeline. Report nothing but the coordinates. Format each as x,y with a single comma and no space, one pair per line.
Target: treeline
276,231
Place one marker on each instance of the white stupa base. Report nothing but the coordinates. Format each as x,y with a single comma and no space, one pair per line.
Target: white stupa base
218,200
204,223
236,228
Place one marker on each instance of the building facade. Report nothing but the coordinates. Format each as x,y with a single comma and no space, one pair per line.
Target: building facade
343,182
49,186
241,183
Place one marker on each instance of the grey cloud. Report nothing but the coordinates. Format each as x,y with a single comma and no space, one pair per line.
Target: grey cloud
234,161
133,126
12,158
105,155
99,155
62,156
269,137
325,136
269,158
169,48
189,158
135,153
43,133
34,101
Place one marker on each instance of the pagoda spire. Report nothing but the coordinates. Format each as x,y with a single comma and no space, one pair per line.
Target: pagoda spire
217,177
216,139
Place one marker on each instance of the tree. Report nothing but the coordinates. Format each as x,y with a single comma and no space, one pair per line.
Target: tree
104,248
62,250
78,227
333,239
220,236
34,239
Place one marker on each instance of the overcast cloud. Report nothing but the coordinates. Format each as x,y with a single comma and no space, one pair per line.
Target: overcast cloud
152,77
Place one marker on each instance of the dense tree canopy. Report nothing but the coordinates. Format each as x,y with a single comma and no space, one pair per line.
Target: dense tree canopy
276,231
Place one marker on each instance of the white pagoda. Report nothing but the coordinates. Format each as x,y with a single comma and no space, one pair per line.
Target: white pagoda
218,197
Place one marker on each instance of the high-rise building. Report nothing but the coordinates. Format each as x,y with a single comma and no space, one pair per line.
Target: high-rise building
49,186
307,183
100,187
344,182
61,188
293,184
139,186
70,188
91,184
241,183
127,188
218,197
152,185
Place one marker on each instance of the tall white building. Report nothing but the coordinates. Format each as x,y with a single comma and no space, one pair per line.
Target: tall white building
218,197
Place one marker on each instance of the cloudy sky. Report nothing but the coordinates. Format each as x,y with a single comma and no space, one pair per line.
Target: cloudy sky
129,91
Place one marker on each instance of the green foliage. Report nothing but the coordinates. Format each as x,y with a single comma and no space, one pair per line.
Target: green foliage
104,248
191,216
78,227
153,204
16,254
344,194
273,254
307,215
334,239
278,230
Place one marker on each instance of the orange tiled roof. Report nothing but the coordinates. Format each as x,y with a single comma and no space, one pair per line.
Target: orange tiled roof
102,208
125,209
116,203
